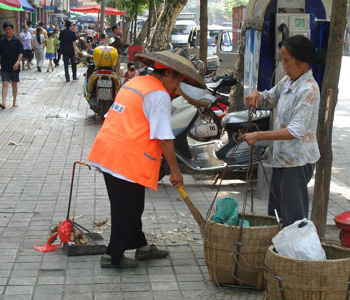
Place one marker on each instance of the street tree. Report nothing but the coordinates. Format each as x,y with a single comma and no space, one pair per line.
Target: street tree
164,25
154,11
329,98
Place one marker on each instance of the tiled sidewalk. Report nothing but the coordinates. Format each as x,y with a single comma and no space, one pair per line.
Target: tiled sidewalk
39,141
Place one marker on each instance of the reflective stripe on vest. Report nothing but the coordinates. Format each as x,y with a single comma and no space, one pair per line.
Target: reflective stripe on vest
123,145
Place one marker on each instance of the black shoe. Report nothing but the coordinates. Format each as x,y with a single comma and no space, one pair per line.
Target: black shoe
39,69
76,78
67,80
125,262
152,253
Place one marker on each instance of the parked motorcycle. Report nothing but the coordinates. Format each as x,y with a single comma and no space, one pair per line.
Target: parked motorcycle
205,143
102,81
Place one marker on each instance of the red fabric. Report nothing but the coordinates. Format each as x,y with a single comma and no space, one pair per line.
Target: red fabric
12,3
158,65
64,231
97,9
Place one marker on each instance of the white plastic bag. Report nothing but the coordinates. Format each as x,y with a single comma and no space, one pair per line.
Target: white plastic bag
299,243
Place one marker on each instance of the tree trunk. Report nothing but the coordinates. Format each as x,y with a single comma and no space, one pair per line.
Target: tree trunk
113,17
329,96
151,18
126,29
135,26
165,24
237,91
203,39
146,29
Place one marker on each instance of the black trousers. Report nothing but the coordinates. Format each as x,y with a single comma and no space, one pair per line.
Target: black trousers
66,60
57,57
290,188
127,201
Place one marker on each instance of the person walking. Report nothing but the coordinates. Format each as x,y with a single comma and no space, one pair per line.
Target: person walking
56,40
11,54
128,151
38,43
89,35
295,149
26,39
68,49
50,51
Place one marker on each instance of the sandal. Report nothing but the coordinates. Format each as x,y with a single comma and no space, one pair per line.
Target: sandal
2,106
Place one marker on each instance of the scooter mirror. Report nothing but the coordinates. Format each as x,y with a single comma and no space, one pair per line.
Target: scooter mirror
196,96
200,66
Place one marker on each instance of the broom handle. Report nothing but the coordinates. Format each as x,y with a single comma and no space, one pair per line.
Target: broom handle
193,209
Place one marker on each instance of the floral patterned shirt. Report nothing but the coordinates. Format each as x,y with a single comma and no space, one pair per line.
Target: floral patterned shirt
297,105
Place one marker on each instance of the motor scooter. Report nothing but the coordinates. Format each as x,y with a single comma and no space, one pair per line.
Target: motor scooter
102,80
206,144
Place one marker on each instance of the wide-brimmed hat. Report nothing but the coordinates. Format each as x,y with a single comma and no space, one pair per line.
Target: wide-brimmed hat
175,59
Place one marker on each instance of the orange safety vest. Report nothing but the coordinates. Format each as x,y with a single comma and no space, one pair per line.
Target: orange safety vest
123,145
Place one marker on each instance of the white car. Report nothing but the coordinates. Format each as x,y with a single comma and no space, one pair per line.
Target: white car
180,32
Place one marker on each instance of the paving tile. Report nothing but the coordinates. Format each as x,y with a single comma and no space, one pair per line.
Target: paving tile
109,296
19,290
165,286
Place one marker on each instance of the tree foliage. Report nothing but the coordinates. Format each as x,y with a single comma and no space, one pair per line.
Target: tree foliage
226,7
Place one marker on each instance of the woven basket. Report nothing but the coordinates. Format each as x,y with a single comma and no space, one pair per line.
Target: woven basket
221,253
296,279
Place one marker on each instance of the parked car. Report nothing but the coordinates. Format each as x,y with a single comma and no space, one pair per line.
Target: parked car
180,32
227,49
193,45
222,53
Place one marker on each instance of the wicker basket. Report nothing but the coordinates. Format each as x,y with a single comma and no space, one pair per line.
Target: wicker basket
296,279
225,266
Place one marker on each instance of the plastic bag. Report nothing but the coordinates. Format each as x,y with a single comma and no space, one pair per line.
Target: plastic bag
227,212
300,242
64,231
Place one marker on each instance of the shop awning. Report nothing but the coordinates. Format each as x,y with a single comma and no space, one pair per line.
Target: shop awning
97,9
11,5
26,5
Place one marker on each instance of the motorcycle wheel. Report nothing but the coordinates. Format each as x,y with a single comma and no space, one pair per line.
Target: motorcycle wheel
104,107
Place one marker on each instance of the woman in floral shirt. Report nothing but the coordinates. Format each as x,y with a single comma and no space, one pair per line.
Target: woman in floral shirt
295,151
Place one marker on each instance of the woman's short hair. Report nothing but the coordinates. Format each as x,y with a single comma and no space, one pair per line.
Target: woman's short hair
302,49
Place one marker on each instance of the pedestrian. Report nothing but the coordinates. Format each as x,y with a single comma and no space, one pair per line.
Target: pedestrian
43,30
295,149
68,50
128,151
38,44
56,41
11,53
89,35
30,27
51,28
131,72
26,39
118,38
50,51
103,41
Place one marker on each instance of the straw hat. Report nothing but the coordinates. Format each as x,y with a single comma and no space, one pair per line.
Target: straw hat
175,59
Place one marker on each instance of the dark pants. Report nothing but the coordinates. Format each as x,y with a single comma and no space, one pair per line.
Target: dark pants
127,204
57,57
290,188
66,60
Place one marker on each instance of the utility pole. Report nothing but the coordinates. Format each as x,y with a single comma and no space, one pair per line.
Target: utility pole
102,18
203,39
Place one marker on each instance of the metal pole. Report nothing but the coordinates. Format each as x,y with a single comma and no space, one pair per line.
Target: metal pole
102,18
